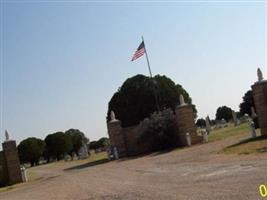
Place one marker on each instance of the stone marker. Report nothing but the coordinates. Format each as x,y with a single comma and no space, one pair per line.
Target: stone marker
234,117
24,174
205,136
208,127
116,155
188,139
253,131
259,90
83,151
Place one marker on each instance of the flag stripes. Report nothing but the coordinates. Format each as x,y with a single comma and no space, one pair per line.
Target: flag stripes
139,52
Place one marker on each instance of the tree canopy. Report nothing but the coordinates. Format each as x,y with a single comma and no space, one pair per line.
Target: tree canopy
135,99
58,144
248,102
201,122
224,112
77,138
30,150
102,142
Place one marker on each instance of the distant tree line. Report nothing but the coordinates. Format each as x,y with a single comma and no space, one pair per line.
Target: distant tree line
99,144
225,112
55,145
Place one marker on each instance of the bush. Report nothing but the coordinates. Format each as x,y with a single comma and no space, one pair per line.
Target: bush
159,131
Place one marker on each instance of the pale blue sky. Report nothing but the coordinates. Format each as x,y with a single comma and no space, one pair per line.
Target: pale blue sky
62,62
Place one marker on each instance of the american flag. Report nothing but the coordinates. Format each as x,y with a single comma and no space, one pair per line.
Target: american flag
139,52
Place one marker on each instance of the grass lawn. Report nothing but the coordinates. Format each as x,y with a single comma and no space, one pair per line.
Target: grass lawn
256,145
231,130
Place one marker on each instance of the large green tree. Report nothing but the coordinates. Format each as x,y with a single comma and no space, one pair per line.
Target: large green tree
58,144
224,112
30,150
135,99
77,139
102,142
248,102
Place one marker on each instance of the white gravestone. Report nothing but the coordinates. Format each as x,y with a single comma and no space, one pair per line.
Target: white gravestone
253,131
188,139
207,121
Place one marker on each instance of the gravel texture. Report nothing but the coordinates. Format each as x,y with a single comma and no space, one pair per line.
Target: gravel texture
193,173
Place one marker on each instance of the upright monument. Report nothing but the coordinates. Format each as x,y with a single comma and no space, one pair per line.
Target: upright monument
185,123
259,90
10,161
117,139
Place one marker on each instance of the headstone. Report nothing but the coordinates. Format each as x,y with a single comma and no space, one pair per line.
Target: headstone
224,124
188,139
83,151
234,117
253,131
110,154
24,174
205,136
116,154
208,127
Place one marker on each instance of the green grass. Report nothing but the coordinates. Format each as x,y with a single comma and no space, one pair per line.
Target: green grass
98,156
219,134
256,145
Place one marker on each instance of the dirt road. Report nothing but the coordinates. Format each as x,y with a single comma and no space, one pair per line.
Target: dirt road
193,173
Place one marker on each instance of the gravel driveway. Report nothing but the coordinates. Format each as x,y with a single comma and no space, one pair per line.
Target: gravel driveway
196,173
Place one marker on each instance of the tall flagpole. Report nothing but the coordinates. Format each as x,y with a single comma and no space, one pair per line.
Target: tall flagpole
149,69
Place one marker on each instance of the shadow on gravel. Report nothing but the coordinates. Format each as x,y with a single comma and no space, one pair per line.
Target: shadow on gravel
151,154
90,164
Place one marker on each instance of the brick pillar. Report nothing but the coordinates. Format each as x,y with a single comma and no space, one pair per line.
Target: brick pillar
3,170
12,161
116,137
186,124
259,90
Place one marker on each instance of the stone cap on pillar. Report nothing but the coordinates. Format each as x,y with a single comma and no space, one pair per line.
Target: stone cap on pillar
182,102
113,117
260,77
7,135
